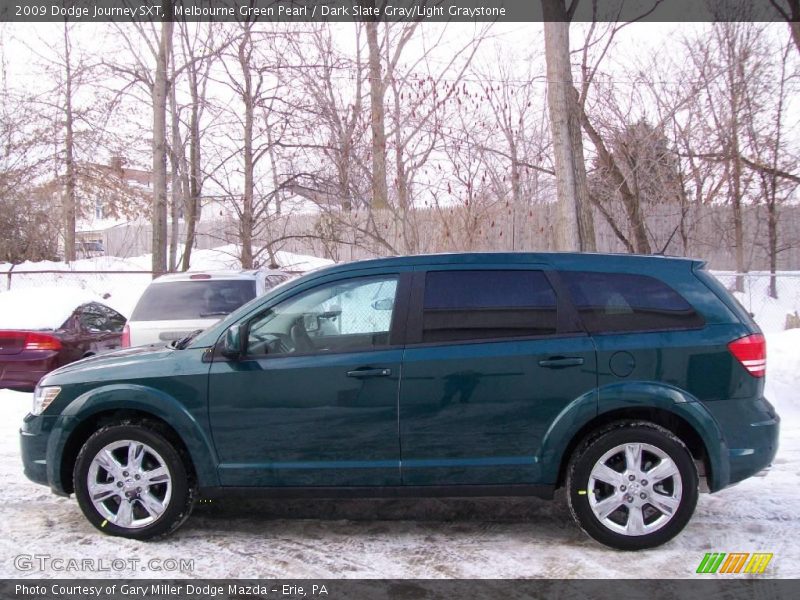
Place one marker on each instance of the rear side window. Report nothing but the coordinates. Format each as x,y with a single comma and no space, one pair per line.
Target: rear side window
471,305
200,299
619,302
97,317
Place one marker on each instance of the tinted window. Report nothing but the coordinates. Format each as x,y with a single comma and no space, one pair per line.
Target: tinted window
341,317
468,305
610,302
199,299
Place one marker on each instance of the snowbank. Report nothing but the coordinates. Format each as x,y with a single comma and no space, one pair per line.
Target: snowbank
41,308
120,290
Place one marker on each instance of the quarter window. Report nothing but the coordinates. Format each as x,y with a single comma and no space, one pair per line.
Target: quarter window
469,305
345,316
619,302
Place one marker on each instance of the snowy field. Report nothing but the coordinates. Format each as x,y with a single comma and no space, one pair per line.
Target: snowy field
475,538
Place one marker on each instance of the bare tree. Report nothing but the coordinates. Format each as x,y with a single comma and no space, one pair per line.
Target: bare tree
774,156
28,230
200,50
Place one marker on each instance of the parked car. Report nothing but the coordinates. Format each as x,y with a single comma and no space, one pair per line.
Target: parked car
627,380
175,305
90,248
43,329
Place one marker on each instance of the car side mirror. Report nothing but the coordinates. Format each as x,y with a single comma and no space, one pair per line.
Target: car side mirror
232,343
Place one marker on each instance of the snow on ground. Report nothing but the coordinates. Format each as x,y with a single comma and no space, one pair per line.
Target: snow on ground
476,538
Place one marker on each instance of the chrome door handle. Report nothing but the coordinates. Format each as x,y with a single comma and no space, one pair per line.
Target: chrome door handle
561,362
365,373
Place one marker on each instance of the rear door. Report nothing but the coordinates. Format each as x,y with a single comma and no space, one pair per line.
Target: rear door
493,356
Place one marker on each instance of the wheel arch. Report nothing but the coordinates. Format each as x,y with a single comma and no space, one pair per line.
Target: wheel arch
100,407
662,405
674,423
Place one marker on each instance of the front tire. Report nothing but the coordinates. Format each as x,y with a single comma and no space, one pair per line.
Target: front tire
131,481
632,486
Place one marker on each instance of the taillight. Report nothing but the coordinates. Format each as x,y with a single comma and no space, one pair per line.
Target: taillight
125,341
751,351
41,341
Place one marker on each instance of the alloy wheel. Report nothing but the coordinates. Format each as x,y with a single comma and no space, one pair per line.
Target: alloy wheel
635,489
129,484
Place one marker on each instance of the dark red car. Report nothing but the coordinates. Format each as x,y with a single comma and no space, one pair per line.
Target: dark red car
33,350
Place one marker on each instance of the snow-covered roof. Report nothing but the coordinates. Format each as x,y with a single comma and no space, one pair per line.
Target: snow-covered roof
41,307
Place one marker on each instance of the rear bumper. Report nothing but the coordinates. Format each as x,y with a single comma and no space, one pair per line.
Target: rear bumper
751,430
24,372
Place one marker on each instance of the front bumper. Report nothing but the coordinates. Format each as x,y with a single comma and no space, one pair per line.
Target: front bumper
34,436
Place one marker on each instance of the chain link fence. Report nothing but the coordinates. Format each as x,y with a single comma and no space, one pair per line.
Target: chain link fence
773,300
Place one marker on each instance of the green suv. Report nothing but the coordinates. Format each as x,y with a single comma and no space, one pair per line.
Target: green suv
627,380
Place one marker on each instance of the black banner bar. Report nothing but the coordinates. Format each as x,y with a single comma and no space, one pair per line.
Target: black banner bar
384,10
705,587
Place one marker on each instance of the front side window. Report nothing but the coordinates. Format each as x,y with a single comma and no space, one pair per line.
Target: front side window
472,305
344,316
620,302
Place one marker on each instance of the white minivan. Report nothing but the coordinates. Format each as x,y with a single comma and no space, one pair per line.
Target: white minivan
175,305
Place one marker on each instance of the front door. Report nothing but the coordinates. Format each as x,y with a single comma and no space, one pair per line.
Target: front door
313,402
492,359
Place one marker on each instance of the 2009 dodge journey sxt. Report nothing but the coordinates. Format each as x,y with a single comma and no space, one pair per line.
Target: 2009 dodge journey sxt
627,380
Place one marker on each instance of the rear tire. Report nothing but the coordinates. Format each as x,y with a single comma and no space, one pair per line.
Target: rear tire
131,481
632,486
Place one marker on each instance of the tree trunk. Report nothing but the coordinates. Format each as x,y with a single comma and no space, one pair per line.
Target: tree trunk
736,198
177,190
772,240
376,94
69,201
574,228
246,221
194,188
159,217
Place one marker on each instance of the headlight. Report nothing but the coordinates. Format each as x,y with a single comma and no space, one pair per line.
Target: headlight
42,398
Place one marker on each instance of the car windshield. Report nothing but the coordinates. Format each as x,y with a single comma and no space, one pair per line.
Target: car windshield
197,299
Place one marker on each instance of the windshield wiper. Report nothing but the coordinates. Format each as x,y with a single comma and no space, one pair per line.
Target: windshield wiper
217,313
184,341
